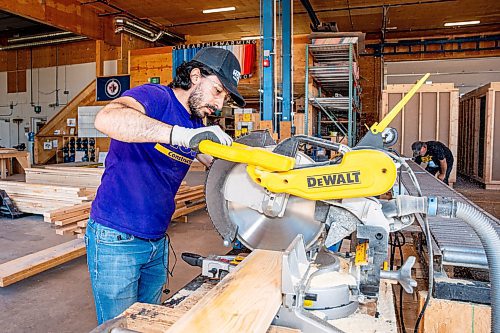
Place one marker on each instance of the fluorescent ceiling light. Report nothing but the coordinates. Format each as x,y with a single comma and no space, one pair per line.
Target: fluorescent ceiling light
251,37
218,10
455,24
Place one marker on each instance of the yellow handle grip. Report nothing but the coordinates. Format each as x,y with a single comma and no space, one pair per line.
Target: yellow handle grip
239,153
380,127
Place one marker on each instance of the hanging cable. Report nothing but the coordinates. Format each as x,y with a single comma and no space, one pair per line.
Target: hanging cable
431,273
350,16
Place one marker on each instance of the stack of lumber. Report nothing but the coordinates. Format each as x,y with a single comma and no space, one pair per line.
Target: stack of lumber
70,220
67,176
73,220
188,200
38,198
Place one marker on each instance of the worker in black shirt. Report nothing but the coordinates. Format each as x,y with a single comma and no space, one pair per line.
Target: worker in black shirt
437,156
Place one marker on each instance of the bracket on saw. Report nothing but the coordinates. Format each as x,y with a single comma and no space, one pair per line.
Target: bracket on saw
294,278
374,137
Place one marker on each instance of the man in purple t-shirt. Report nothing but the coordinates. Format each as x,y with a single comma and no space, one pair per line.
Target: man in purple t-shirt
154,132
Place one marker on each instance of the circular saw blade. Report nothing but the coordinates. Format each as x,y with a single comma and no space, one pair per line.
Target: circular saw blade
235,219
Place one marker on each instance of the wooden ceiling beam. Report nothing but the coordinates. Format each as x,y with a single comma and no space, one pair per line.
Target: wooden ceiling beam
68,15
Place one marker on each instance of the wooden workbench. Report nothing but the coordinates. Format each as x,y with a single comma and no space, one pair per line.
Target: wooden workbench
8,159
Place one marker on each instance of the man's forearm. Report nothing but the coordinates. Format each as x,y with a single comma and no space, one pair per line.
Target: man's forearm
124,123
205,159
444,166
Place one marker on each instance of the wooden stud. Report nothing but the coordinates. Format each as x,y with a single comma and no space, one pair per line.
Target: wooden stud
29,265
246,300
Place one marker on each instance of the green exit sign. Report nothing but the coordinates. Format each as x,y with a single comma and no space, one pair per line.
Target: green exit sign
155,79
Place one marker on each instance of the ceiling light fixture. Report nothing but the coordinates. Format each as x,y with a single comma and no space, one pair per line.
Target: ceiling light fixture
251,37
456,24
218,10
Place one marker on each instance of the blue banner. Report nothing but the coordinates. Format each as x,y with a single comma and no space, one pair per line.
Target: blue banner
111,87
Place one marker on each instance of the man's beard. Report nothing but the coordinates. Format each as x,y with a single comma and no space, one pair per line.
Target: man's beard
195,103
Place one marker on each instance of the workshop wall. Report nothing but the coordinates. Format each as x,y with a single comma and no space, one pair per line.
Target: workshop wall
71,78
479,139
431,114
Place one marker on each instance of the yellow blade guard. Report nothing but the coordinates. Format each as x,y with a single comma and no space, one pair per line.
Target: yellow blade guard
362,173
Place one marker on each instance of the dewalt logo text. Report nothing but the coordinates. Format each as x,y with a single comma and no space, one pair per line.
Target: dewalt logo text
334,179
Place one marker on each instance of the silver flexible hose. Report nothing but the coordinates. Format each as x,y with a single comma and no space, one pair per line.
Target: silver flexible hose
490,240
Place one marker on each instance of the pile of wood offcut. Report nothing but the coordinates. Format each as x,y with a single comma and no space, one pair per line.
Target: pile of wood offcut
73,220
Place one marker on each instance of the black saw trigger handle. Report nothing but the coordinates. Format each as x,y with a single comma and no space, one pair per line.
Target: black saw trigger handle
192,259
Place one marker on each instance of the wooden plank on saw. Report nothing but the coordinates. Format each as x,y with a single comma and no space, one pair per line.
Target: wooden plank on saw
31,264
144,317
246,300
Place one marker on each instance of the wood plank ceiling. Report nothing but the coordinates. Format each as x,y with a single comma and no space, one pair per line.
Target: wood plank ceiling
405,18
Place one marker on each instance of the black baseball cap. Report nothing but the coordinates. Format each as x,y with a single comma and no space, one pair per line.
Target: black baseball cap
416,147
227,68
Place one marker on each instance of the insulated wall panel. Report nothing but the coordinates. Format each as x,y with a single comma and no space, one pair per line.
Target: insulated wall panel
479,137
430,115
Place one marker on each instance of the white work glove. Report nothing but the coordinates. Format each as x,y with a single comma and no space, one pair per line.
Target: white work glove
191,137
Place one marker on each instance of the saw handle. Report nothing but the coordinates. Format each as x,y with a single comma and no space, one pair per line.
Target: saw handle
239,153
192,259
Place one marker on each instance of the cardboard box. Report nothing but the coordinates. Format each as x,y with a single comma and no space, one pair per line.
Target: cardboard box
245,124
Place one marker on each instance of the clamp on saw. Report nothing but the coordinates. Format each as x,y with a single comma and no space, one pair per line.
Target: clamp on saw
275,197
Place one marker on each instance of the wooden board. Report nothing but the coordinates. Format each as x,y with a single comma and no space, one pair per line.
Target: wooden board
68,176
150,318
445,316
60,213
21,268
150,62
246,300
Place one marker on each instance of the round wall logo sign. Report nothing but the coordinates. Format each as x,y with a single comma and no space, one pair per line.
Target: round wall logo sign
112,88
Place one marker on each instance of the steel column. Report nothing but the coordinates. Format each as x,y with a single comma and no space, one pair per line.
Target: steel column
287,59
268,55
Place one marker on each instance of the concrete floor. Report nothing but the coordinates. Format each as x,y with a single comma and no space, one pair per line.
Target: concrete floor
489,200
60,299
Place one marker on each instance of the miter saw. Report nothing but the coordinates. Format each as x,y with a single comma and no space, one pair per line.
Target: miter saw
275,197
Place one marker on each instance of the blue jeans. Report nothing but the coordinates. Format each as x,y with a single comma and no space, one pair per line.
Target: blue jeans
123,269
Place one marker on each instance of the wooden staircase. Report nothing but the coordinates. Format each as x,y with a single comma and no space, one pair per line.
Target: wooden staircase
85,98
